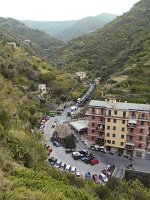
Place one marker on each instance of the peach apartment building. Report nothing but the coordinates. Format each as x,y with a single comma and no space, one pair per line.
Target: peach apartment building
120,126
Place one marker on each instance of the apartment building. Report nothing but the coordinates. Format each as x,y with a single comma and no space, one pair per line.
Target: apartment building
122,127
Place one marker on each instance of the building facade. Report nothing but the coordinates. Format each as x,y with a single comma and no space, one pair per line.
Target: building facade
122,127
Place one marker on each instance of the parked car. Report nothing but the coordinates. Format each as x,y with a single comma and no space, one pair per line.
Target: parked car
78,173
111,168
73,170
52,160
57,164
83,152
106,172
96,178
55,143
87,176
103,178
88,159
94,161
76,155
62,166
69,150
67,168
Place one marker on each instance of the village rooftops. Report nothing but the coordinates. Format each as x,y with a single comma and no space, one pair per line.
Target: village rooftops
63,130
80,124
120,105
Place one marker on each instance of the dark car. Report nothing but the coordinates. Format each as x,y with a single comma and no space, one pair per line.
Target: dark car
87,176
106,172
88,159
111,168
83,152
52,160
94,161
69,150
96,178
56,144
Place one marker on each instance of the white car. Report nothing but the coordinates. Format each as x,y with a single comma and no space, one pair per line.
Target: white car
62,166
103,178
67,168
78,173
73,170
57,164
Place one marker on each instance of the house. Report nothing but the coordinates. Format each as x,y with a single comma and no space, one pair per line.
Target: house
12,44
81,74
60,132
120,126
42,88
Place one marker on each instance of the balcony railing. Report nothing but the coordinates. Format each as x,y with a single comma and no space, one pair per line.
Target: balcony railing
101,122
130,133
100,129
132,125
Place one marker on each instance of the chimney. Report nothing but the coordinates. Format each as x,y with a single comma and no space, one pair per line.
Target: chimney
112,101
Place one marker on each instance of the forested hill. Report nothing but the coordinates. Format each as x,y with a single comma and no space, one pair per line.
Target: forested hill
66,30
120,50
35,41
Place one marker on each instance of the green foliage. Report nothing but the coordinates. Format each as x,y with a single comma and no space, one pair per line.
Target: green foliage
70,141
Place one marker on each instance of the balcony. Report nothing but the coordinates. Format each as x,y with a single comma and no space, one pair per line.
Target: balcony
130,133
132,126
101,122
129,145
143,118
101,129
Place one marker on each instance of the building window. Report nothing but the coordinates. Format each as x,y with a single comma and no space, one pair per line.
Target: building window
102,111
93,138
93,110
139,145
108,127
122,136
142,122
131,137
114,120
93,124
123,129
108,141
92,131
108,134
114,128
114,135
140,138
141,130
93,117
123,121
124,114
143,115
113,142
133,113
109,112
108,120
115,112
122,143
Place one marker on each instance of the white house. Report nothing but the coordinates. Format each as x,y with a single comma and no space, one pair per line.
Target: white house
42,87
81,74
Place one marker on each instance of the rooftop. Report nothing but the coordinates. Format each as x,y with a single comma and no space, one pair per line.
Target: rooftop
120,105
80,124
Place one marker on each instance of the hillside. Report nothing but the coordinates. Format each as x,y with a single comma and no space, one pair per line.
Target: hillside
66,30
118,53
24,171
35,41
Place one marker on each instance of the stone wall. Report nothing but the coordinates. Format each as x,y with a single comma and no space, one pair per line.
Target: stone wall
144,177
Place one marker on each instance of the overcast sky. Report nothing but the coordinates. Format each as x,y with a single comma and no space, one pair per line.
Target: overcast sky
54,10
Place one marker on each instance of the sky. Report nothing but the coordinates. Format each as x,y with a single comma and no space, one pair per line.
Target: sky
59,10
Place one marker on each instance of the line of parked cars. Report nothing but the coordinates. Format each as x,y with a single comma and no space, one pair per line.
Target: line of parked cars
85,157
104,176
63,167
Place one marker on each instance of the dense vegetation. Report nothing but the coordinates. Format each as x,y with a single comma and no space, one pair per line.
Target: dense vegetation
66,30
118,53
35,41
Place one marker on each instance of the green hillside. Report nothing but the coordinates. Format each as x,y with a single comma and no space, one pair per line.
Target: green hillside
24,171
35,41
118,53
66,30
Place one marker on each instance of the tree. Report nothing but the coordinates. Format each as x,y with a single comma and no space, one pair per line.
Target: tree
70,141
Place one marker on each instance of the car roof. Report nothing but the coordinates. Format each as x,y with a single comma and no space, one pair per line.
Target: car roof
68,166
73,168
103,175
